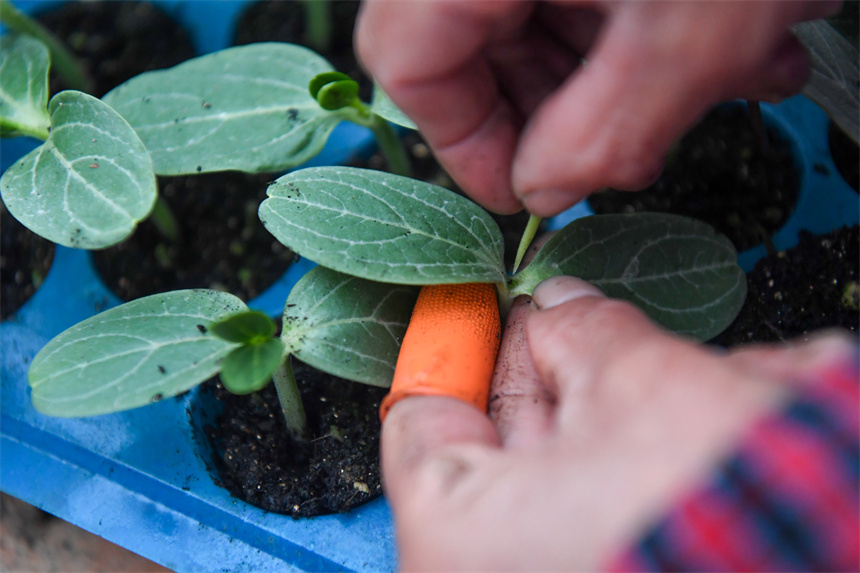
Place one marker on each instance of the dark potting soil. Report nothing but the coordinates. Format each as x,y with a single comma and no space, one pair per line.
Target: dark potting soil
25,259
426,168
846,156
116,41
812,286
224,246
284,21
334,471
718,174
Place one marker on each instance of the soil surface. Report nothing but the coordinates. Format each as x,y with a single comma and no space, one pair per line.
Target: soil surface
284,21
812,286
116,41
846,156
25,259
224,246
718,174
334,471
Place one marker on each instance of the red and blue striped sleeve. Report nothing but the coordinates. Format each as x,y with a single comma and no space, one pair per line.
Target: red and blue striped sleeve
788,499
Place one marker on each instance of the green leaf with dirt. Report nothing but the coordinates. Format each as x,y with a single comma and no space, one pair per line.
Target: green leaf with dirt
245,108
129,356
89,184
384,227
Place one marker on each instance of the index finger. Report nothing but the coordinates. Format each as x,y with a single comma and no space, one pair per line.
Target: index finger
427,56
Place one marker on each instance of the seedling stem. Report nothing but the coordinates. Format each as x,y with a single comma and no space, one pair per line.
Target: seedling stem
291,401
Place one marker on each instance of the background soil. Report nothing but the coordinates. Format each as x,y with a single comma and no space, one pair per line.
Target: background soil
718,173
25,259
798,291
116,41
223,244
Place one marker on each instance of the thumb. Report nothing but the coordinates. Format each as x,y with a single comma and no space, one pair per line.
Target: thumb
425,440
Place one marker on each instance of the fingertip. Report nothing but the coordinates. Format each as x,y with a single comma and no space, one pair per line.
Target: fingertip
416,431
558,290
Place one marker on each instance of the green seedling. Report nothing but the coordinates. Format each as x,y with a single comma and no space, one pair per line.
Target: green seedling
247,108
376,237
65,62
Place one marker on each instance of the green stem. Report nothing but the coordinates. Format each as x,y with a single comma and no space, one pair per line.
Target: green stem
61,58
40,132
389,142
165,221
391,146
526,240
291,401
318,24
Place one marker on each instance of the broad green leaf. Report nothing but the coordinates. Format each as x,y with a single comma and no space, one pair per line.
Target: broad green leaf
384,227
24,64
834,75
249,368
145,350
678,270
347,326
90,183
245,108
250,327
384,107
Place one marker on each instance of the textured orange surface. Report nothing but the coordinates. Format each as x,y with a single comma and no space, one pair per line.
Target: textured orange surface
450,346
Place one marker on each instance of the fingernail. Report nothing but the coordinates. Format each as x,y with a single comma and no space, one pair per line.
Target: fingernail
559,290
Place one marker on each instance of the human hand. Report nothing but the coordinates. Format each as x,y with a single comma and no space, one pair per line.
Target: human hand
598,421
498,91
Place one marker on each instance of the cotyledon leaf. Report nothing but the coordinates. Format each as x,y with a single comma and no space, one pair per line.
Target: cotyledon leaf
384,227
89,184
245,108
24,63
680,271
347,326
383,106
145,350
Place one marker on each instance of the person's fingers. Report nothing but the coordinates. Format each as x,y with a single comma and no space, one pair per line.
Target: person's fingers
521,406
799,360
657,68
447,86
424,445
530,67
570,346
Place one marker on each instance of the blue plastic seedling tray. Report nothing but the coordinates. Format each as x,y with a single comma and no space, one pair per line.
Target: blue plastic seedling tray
141,478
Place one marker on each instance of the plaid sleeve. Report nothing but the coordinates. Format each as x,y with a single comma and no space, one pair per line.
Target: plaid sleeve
787,500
